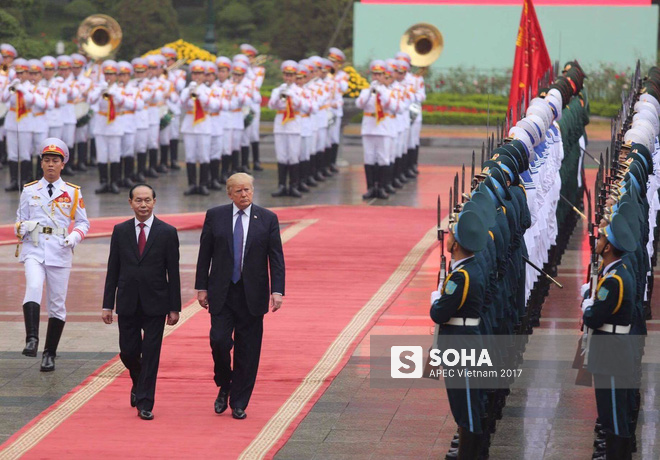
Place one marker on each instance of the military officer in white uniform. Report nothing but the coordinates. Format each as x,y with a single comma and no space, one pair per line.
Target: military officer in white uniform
46,210
337,57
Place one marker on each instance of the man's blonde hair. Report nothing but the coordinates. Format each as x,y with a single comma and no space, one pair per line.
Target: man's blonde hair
239,178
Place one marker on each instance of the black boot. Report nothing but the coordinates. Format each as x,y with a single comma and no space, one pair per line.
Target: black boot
164,157
371,191
281,180
203,179
226,164
92,152
255,157
174,154
153,164
82,156
334,151
235,161
13,177
115,176
410,159
294,180
3,152
396,183
53,335
307,175
215,175
26,172
389,173
318,167
400,171
245,159
304,174
103,178
469,445
191,169
326,154
31,316
141,175
129,171
415,158
380,177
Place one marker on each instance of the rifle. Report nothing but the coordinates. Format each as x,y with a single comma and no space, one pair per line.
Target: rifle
463,182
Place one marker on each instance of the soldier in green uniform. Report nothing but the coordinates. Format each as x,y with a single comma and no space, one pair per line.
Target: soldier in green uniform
609,315
457,307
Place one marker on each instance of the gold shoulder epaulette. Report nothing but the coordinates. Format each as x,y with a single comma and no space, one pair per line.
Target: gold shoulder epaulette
31,183
72,185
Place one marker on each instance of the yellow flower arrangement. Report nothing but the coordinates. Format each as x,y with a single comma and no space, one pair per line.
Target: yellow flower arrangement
356,82
187,51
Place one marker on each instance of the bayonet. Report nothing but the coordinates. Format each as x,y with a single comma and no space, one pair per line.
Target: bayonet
463,181
472,170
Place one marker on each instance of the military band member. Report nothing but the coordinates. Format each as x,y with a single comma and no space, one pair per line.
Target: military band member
418,90
337,58
128,121
287,100
39,106
238,94
170,98
223,87
82,129
196,128
375,134
9,55
153,98
178,79
258,73
18,125
108,130
47,209
457,308
68,113
141,117
217,123
307,109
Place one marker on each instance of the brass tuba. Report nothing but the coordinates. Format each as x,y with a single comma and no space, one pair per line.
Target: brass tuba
424,43
99,36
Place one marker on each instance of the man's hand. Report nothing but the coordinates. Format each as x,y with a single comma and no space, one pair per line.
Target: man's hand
172,318
275,302
203,299
106,315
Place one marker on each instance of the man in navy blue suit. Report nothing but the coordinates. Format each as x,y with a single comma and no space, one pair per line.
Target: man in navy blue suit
240,242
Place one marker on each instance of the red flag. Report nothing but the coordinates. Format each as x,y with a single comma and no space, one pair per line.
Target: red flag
380,113
531,62
21,109
289,113
199,114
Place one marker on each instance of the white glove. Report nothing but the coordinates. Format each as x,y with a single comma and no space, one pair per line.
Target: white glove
584,290
103,85
14,83
586,303
435,295
72,240
192,86
26,227
22,229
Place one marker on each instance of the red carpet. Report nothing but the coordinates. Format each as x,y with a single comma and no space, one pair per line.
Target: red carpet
334,267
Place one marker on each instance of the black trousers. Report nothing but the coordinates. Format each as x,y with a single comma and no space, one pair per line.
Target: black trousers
612,403
247,330
141,355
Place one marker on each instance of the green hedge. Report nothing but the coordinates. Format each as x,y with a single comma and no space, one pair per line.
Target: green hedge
450,118
603,109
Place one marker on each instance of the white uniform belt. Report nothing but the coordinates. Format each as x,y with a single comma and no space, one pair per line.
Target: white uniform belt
615,329
52,231
463,321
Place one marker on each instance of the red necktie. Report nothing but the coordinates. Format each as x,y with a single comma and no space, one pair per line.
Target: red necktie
142,238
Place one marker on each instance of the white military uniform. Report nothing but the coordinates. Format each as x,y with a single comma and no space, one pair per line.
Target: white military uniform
376,130
43,253
107,131
288,133
19,133
197,134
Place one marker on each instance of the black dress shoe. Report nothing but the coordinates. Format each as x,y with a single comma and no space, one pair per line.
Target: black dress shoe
31,346
238,413
47,362
145,414
133,397
221,402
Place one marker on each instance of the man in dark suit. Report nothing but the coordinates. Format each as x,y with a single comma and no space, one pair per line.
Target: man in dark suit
143,274
239,243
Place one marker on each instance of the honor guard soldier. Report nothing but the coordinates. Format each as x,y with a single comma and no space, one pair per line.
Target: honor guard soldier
165,115
178,79
306,111
107,128
39,106
223,87
68,112
287,100
7,74
375,135
217,121
457,307
46,211
153,100
239,97
418,90
337,58
127,119
18,125
608,315
57,96
196,128
82,122
252,100
258,73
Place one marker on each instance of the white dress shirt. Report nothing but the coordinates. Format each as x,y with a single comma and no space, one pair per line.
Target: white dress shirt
147,226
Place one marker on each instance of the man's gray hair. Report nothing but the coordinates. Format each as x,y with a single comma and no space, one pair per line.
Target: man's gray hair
239,178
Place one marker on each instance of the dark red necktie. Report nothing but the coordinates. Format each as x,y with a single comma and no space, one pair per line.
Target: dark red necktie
142,238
